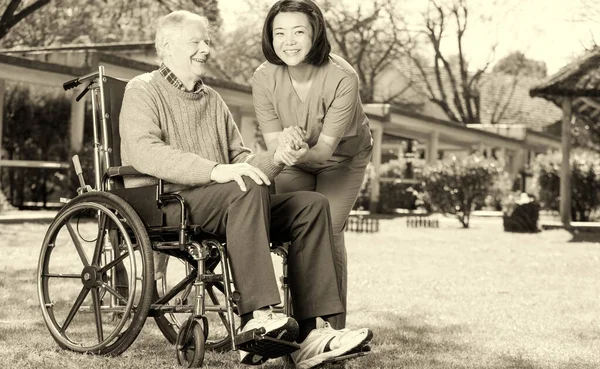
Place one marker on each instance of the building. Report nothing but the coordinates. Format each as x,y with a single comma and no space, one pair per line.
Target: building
437,136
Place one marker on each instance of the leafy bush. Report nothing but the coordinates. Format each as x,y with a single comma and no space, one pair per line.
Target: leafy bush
585,182
454,185
394,193
503,185
36,127
398,195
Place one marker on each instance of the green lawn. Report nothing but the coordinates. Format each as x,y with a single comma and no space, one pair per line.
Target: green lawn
435,298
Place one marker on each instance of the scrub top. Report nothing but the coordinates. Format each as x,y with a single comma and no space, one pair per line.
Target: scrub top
332,106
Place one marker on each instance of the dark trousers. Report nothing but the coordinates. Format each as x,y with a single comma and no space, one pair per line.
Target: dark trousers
250,221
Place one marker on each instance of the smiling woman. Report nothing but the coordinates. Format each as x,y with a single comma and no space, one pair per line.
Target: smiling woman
307,101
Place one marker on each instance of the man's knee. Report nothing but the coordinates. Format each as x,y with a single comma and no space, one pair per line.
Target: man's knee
313,201
254,189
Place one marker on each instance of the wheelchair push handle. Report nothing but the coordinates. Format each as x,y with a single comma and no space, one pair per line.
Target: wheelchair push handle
79,80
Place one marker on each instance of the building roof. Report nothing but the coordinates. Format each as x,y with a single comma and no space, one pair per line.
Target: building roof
580,81
108,46
522,109
85,56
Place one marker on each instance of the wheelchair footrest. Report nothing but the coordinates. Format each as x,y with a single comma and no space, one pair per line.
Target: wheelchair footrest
256,342
357,352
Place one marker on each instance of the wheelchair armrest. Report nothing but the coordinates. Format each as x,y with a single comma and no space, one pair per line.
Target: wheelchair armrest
127,170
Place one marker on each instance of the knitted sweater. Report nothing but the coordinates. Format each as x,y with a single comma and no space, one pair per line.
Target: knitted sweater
180,136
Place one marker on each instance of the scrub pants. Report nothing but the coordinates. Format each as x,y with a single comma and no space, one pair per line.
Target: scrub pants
250,220
340,183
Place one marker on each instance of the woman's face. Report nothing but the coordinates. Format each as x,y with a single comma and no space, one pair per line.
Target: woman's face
292,37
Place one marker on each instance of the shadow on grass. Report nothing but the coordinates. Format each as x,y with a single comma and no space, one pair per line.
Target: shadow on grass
579,236
411,343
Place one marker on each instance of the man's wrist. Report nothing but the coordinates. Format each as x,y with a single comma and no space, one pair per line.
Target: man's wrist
212,172
277,158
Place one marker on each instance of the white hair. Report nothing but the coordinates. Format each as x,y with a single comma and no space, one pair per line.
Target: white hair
171,23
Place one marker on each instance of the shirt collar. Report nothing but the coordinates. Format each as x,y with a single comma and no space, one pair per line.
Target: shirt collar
172,78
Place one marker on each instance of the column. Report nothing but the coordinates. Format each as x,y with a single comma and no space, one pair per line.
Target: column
377,132
518,162
565,167
432,147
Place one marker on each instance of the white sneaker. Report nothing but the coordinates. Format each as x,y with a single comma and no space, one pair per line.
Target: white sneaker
324,343
275,325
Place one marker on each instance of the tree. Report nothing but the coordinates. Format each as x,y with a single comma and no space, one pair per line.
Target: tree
371,38
516,63
15,11
448,83
71,22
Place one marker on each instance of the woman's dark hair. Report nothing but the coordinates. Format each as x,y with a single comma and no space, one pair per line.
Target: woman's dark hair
319,52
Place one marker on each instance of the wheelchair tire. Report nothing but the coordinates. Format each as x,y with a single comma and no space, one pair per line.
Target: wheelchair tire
190,344
218,337
95,244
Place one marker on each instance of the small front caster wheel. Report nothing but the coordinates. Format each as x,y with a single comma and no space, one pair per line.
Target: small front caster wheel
190,344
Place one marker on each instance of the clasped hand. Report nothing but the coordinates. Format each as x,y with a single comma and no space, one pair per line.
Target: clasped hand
292,148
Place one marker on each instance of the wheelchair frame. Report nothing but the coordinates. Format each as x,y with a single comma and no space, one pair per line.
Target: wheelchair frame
128,230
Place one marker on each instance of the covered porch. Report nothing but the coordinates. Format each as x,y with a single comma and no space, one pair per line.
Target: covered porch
576,90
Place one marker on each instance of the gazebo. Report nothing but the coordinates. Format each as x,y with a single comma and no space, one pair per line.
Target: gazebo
575,89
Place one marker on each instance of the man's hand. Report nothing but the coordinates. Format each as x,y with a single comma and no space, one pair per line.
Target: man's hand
223,173
289,156
293,136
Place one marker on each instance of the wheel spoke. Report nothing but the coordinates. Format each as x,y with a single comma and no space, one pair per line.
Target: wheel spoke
97,314
113,263
114,292
60,275
77,244
215,301
99,239
82,295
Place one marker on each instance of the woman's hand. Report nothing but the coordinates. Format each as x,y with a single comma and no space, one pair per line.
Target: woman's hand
289,156
293,136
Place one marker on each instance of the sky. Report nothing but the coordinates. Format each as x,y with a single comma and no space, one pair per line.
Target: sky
547,30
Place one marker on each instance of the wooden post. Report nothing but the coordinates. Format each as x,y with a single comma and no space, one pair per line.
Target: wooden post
2,86
565,168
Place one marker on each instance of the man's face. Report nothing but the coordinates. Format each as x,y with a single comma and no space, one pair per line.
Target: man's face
188,51
292,37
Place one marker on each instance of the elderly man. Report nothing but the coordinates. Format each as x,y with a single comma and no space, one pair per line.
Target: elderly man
176,128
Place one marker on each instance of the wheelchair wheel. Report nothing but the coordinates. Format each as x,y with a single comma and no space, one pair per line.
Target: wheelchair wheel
190,344
180,274
95,275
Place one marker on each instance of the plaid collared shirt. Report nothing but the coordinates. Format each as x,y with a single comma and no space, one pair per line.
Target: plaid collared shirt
172,78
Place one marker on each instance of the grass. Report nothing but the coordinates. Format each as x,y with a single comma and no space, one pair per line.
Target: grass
435,298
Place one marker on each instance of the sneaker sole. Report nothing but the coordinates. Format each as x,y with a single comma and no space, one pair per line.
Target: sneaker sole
319,359
287,332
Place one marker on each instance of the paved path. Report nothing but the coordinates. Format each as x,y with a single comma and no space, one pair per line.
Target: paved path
23,216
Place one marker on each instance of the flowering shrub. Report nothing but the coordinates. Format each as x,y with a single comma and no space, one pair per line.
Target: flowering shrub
585,182
454,185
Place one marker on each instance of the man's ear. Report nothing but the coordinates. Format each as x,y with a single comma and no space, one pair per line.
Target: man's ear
166,42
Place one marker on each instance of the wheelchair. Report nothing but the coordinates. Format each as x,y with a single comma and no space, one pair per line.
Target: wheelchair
96,277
